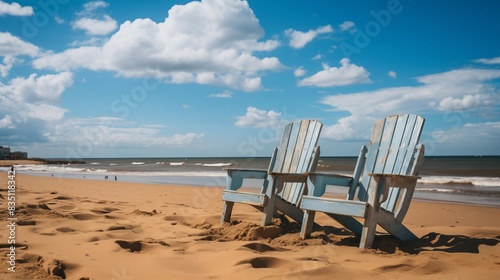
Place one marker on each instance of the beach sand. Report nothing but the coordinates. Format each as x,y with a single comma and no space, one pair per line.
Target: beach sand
88,229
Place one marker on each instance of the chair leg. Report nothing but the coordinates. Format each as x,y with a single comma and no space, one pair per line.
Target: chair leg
270,207
226,212
268,212
369,227
307,224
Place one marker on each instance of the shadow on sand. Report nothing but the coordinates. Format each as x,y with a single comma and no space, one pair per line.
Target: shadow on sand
433,241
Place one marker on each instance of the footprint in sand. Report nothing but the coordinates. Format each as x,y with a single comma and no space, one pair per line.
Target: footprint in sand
261,247
264,262
133,246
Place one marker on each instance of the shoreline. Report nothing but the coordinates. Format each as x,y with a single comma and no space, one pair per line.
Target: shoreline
121,230
219,181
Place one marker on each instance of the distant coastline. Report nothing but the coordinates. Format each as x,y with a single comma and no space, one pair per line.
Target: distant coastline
9,162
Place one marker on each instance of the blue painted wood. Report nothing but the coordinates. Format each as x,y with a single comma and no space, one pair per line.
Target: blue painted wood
346,207
244,197
285,179
384,181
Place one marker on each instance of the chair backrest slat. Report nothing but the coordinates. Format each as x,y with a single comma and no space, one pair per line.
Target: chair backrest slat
392,150
296,154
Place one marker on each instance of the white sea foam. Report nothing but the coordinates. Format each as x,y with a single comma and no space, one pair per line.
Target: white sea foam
436,190
217,164
138,162
160,162
95,163
177,163
476,181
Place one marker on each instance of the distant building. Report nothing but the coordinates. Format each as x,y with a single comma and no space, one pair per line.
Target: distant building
18,155
5,152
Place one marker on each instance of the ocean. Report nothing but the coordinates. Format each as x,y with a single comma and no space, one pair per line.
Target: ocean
455,179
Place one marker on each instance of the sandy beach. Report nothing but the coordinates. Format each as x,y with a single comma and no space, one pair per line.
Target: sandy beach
89,229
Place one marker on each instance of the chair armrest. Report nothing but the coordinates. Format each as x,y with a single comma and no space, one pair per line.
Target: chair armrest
395,180
317,182
235,177
387,181
289,177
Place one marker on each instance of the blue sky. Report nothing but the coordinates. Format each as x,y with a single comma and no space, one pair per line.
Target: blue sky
221,77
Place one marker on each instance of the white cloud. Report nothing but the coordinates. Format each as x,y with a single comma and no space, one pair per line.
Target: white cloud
464,89
470,138
11,45
115,132
347,74
392,74
260,119
225,94
6,122
14,9
299,72
58,19
44,112
30,104
495,60
94,5
299,39
47,88
346,25
317,57
207,42
96,26
466,102
93,21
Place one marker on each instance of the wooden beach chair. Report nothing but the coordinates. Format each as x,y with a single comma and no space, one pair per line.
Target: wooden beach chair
384,180
284,182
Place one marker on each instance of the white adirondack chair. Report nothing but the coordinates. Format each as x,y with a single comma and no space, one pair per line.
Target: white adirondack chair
388,170
284,182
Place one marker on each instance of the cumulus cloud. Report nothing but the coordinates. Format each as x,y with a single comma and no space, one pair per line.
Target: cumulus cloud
14,9
458,138
392,74
464,103
299,39
93,20
11,47
30,104
347,26
346,74
495,60
260,119
34,98
96,26
463,89
6,122
299,72
114,132
205,42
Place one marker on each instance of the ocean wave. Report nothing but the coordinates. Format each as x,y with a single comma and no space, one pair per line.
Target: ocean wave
95,163
476,181
217,164
138,162
160,162
48,168
177,163
94,170
176,174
